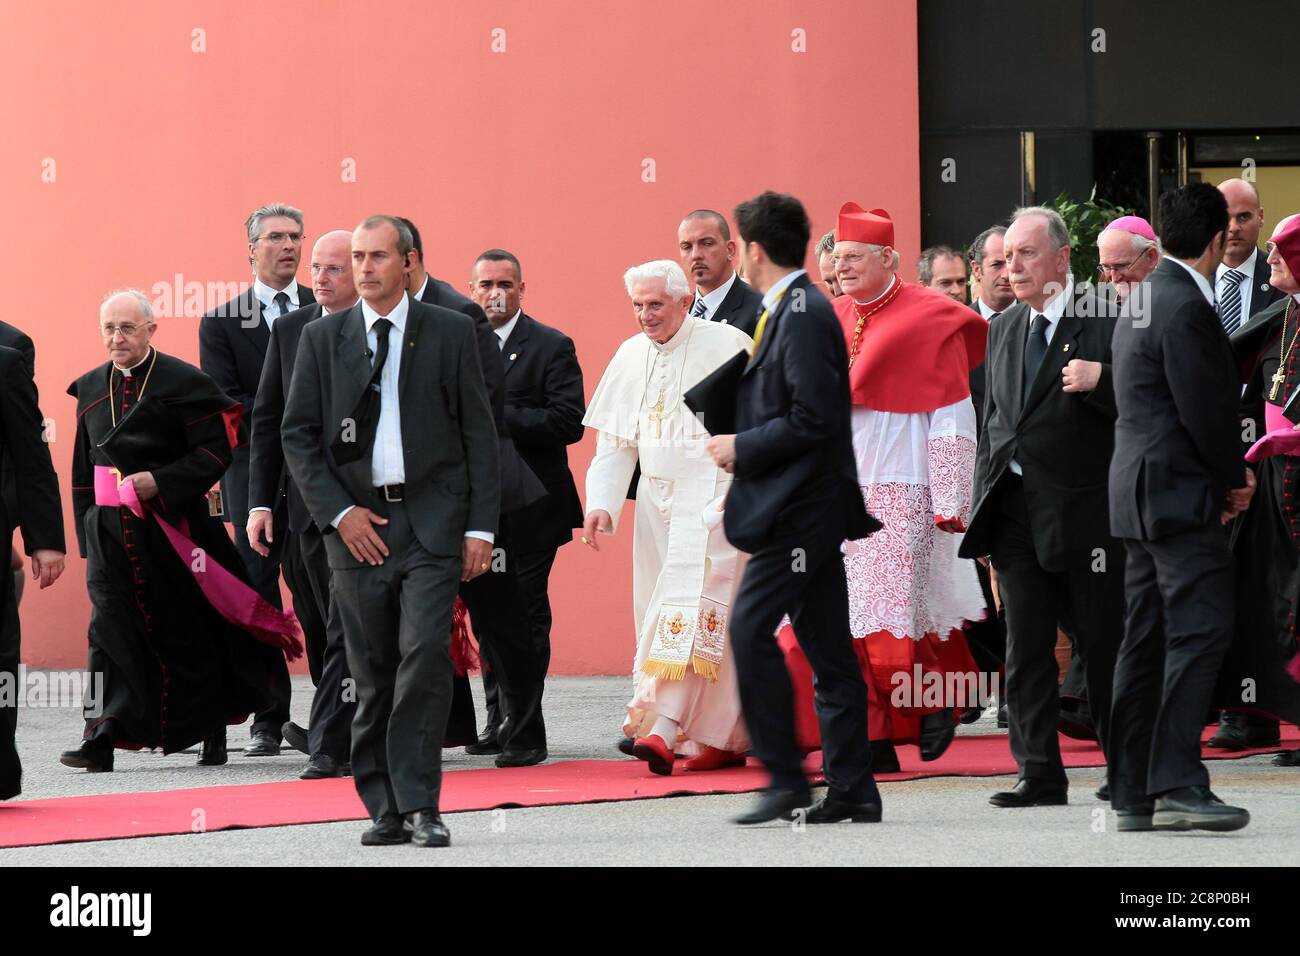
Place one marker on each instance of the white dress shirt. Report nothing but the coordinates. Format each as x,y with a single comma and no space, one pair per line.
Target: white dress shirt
503,333
1052,312
387,464
266,295
986,310
1203,284
772,295
1247,285
714,299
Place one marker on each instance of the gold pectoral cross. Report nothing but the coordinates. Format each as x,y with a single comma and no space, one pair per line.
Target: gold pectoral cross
657,416
1279,379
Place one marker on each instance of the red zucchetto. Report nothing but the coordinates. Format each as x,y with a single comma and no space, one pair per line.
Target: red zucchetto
872,226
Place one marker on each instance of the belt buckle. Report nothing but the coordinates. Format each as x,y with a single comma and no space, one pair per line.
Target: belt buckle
389,497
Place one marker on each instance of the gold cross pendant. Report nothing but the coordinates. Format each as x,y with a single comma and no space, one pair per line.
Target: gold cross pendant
1279,379
657,416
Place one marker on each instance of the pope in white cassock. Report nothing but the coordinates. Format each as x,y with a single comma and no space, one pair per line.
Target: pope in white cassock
684,572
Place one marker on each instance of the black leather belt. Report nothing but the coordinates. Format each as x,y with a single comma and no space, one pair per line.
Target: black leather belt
392,492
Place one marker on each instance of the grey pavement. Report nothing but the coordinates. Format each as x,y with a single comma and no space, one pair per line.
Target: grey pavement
944,821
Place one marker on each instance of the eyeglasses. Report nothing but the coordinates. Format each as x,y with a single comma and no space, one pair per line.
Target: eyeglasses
1105,269
847,258
276,238
108,331
331,272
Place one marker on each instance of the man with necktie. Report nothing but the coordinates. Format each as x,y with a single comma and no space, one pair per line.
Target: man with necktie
708,256
389,435
233,340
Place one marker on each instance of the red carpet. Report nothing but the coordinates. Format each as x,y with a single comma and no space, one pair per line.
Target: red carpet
158,813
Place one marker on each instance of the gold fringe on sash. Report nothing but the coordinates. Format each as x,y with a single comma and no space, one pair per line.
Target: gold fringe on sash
704,667
664,670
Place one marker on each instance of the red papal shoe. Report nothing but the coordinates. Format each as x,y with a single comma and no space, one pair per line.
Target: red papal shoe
714,759
656,752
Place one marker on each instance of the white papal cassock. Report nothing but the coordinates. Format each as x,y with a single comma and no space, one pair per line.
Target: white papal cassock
684,572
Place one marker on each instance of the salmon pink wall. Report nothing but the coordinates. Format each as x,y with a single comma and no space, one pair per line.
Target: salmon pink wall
139,135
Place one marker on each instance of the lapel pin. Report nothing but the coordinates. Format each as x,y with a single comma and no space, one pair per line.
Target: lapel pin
513,356
1067,347
1263,287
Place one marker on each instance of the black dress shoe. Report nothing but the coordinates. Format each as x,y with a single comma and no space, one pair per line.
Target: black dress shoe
625,745
91,756
320,767
427,829
296,737
9,790
971,714
1003,721
1232,733
1134,818
1288,758
1103,791
937,731
213,751
262,744
486,744
521,758
1196,808
1076,722
388,830
1031,793
773,804
832,810
884,758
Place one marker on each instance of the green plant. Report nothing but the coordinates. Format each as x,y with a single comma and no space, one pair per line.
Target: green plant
1085,221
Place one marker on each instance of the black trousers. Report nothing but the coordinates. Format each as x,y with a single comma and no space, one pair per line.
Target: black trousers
1036,600
533,569
307,572
265,576
11,770
1178,628
807,582
396,622
498,614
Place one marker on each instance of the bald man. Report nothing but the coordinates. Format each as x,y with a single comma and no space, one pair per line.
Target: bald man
303,559
1241,286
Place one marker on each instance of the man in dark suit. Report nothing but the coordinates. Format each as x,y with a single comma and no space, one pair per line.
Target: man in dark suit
14,338
794,500
708,256
389,436
544,409
24,448
1040,495
1242,291
233,339
1176,477
516,729
943,269
302,552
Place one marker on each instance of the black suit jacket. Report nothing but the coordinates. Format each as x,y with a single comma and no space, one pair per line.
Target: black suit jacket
977,383
15,338
233,339
268,475
519,486
740,307
1061,440
449,444
38,509
544,409
796,480
1177,438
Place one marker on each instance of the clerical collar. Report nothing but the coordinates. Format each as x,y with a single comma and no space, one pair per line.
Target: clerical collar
126,372
266,295
713,300
877,298
1297,298
682,335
